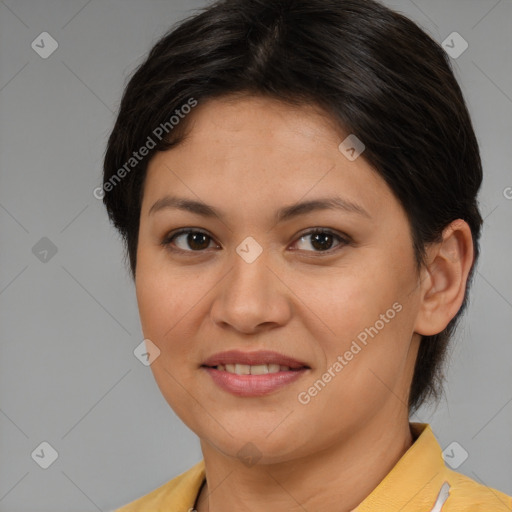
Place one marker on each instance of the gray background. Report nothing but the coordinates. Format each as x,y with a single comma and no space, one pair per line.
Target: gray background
69,320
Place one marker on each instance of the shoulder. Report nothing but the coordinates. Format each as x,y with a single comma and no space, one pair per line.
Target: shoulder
468,495
422,480
177,494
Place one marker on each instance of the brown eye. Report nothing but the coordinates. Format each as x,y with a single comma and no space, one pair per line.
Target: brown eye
322,240
188,240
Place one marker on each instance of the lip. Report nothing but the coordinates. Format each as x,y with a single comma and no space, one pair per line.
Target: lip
253,385
253,358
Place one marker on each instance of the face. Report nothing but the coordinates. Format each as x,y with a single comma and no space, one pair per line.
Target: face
330,291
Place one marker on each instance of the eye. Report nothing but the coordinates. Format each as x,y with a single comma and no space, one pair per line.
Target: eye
321,240
194,239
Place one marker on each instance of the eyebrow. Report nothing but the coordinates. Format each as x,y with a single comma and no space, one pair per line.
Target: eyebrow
283,214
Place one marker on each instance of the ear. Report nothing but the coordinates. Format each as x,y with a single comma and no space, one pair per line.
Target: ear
444,278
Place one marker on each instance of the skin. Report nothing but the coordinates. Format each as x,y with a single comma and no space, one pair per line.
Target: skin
247,157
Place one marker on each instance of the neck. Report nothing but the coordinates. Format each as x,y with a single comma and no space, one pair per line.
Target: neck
337,479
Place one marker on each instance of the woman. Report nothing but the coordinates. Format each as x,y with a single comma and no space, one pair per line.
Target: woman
296,183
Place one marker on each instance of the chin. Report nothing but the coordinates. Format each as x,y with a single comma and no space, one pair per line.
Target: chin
258,445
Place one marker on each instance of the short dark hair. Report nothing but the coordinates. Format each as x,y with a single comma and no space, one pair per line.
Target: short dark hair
374,71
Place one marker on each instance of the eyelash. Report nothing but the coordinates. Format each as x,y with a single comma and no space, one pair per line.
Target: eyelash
343,239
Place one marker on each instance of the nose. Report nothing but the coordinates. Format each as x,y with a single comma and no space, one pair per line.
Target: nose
252,297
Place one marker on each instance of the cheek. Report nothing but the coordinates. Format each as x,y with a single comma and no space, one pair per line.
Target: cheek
370,316
156,303
164,295
172,305
165,313
165,302
351,300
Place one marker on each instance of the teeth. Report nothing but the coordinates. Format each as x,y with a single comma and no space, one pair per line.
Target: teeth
242,369
257,369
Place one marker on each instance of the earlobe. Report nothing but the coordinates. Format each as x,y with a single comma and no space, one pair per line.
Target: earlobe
444,279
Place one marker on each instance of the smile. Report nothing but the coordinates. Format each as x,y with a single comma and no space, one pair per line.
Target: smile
251,374
257,369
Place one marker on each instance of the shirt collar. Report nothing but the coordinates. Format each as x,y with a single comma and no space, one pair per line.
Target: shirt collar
416,482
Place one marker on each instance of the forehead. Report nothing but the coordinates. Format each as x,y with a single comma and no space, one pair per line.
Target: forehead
250,148
268,119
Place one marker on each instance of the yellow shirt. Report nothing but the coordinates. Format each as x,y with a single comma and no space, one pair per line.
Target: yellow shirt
419,482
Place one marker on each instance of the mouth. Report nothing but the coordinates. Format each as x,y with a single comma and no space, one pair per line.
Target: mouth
261,360
256,369
253,373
